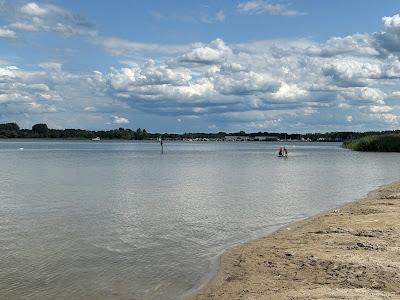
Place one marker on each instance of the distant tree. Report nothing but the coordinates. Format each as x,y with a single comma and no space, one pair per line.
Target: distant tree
139,134
40,128
144,133
9,127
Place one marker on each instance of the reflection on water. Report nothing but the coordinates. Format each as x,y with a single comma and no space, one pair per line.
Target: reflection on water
117,220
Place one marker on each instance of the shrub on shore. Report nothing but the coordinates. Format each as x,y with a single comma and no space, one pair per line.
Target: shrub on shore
375,143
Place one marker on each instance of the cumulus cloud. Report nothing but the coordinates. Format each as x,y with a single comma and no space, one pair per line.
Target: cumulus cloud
7,33
34,9
120,120
47,17
266,7
364,95
22,86
396,93
357,45
388,41
216,52
288,92
347,72
392,22
380,109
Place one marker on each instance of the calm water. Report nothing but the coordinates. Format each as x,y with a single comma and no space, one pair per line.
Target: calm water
117,220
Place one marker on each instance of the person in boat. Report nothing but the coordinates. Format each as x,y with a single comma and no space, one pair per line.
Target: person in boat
280,151
285,151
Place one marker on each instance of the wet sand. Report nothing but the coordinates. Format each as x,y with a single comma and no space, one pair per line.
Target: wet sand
352,252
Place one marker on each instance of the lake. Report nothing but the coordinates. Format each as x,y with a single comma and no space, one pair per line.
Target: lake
118,220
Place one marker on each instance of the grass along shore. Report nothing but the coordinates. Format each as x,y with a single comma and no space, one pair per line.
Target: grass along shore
349,253
375,143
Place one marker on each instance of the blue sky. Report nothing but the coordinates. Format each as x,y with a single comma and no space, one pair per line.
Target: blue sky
255,65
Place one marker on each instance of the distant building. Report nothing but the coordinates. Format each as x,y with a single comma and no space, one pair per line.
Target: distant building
259,138
236,138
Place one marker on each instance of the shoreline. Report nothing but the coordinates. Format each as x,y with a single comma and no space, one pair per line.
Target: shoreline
351,252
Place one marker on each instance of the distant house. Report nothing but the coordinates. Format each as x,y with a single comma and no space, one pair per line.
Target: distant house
259,138
236,138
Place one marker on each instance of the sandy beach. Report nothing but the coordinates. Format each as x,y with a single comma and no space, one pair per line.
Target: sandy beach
352,252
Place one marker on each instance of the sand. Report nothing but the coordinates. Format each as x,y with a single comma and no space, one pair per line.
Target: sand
349,253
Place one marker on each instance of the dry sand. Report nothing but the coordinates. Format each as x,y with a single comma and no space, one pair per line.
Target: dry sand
350,253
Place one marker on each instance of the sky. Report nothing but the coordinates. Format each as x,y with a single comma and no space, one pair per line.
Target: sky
201,66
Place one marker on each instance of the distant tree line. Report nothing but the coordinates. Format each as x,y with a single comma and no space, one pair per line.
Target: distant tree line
12,130
388,142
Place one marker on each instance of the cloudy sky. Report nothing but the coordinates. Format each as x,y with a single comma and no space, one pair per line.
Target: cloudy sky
216,65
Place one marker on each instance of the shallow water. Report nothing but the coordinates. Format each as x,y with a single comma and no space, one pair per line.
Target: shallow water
118,220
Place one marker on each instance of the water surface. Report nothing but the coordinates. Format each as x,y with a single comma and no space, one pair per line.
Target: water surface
118,220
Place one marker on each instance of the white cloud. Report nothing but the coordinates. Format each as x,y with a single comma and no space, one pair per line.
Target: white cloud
357,45
7,33
380,109
347,72
396,93
266,7
392,22
287,92
365,95
391,118
89,109
216,52
120,120
34,107
34,9
51,18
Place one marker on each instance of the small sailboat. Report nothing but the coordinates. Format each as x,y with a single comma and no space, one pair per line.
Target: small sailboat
96,139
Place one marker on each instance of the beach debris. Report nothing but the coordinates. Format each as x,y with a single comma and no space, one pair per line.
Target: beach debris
370,233
385,203
331,230
230,278
365,246
391,196
365,211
